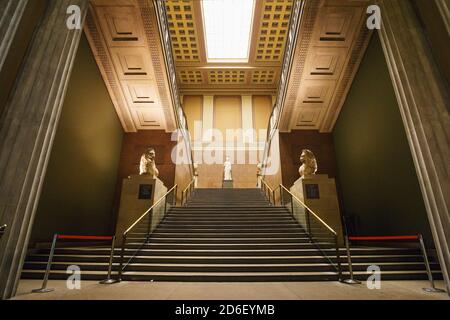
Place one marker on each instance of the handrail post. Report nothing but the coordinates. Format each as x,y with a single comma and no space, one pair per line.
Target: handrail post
174,202
292,206
182,198
427,266
350,267
122,255
44,288
149,224
281,196
109,280
308,224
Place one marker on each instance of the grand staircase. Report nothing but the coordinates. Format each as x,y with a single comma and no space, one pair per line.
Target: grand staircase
227,235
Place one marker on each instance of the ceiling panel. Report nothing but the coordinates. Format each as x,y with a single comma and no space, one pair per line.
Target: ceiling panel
261,71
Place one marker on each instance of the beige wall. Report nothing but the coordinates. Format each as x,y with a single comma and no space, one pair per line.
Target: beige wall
227,113
193,108
222,113
262,109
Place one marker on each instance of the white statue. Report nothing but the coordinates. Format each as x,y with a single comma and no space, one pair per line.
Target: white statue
259,168
227,170
259,177
148,166
309,163
195,165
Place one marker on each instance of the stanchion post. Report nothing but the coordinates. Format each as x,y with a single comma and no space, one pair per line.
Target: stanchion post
427,266
350,267
109,280
122,256
338,257
44,288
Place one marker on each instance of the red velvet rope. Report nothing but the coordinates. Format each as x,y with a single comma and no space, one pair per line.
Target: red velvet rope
383,238
66,237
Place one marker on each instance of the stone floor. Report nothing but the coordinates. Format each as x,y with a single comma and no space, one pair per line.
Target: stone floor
390,290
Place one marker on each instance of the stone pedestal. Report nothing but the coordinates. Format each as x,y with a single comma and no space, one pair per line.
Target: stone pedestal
259,181
139,193
227,184
319,193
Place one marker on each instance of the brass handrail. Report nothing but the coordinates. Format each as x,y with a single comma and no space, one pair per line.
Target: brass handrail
311,211
264,185
149,210
188,188
123,265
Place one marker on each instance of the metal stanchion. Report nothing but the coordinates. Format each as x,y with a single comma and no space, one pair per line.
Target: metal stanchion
109,280
427,265
44,288
350,268
338,258
122,256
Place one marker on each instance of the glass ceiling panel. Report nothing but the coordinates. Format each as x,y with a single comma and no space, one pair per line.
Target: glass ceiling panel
228,25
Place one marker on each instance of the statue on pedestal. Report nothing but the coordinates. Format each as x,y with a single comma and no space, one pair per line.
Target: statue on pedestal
309,164
227,170
259,173
195,165
148,166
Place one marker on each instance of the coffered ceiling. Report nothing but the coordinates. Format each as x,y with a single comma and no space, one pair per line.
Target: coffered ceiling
332,40
124,37
259,74
126,41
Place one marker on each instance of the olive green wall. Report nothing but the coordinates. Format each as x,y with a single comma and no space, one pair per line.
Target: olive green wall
380,188
79,188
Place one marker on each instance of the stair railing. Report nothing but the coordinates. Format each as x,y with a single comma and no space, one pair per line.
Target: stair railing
187,193
318,231
268,192
154,216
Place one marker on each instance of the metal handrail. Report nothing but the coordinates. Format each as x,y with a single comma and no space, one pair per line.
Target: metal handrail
188,188
311,211
310,232
149,210
268,191
149,231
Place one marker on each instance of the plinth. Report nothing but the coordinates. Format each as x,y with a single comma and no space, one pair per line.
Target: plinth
139,193
227,184
319,193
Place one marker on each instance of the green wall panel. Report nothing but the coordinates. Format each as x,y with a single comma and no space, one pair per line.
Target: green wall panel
380,189
79,187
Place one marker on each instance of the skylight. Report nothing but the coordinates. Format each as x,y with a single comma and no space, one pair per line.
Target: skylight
228,25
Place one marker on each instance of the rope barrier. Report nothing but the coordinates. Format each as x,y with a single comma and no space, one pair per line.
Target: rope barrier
418,238
57,237
382,238
99,238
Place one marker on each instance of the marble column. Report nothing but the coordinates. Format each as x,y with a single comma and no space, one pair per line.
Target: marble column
27,131
11,15
424,106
